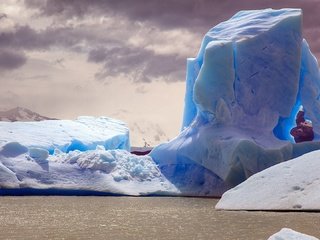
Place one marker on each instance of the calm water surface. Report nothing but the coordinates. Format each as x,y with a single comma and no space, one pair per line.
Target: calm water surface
140,218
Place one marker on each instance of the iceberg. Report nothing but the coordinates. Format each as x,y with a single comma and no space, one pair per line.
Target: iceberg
297,188
289,234
87,156
92,172
243,90
84,133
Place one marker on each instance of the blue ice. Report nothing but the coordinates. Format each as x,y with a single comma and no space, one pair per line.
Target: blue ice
243,90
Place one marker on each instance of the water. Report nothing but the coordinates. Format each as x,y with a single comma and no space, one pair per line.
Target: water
141,218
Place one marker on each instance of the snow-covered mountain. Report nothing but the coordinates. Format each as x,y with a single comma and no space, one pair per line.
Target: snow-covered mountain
21,114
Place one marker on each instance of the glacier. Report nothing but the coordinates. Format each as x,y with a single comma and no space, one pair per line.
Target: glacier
243,90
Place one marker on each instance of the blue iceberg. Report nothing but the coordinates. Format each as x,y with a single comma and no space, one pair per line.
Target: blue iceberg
243,90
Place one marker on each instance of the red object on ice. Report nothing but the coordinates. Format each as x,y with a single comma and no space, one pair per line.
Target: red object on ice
303,131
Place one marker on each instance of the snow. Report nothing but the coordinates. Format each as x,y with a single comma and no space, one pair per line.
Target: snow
97,171
292,185
84,133
289,234
244,88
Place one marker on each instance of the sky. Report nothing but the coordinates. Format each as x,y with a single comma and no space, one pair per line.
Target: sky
124,59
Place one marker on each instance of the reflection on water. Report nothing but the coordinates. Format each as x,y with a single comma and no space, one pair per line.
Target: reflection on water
140,218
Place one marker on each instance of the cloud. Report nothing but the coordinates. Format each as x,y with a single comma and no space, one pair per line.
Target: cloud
170,14
33,77
193,15
25,37
143,41
10,60
3,15
8,99
60,62
141,64
141,90
118,53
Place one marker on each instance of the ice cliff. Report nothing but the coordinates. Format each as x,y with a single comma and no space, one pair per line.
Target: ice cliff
243,90
84,133
84,156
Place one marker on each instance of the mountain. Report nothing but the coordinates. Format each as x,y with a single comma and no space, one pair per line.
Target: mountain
21,114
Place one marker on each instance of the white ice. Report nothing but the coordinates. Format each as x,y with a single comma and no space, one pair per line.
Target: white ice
292,185
289,234
99,171
84,133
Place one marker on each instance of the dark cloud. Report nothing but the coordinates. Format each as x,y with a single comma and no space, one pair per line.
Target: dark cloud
138,63
194,15
10,60
170,14
25,37
3,15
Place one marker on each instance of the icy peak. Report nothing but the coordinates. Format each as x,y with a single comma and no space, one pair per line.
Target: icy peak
21,114
249,24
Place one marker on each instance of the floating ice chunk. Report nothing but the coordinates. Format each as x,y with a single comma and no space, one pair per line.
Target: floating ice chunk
297,187
289,234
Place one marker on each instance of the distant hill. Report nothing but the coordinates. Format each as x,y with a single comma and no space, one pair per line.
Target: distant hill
21,114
